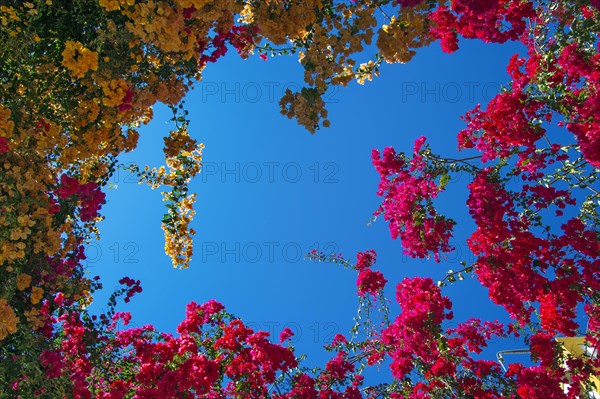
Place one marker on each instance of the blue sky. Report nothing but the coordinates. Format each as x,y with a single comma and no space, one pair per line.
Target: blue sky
270,192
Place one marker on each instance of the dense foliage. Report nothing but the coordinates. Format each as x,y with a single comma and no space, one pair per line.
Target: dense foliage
79,77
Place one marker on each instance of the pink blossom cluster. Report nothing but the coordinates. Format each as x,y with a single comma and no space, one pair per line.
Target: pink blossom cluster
368,281
88,194
492,21
408,190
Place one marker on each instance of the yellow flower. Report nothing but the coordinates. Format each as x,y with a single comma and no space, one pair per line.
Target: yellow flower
7,15
19,234
78,59
36,321
8,319
23,281
112,5
36,295
6,125
114,92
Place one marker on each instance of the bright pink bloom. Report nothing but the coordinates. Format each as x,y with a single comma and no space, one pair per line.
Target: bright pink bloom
370,282
365,259
3,145
285,334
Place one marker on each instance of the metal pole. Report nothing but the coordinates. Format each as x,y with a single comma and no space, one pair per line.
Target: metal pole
509,352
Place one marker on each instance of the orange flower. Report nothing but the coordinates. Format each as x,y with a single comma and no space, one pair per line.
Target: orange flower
8,319
78,59
36,295
23,281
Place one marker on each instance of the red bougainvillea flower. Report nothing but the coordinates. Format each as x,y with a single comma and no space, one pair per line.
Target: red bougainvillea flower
492,21
408,191
68,186
285,334
90,195
198,315
3,145
370,282
365,259
504,125
133,287
415,331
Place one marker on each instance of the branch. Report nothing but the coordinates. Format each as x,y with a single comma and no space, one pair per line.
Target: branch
450,274
581,181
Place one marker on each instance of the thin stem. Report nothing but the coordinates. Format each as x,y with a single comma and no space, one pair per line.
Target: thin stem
384,13
464,159
453,160
464,269
581,181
